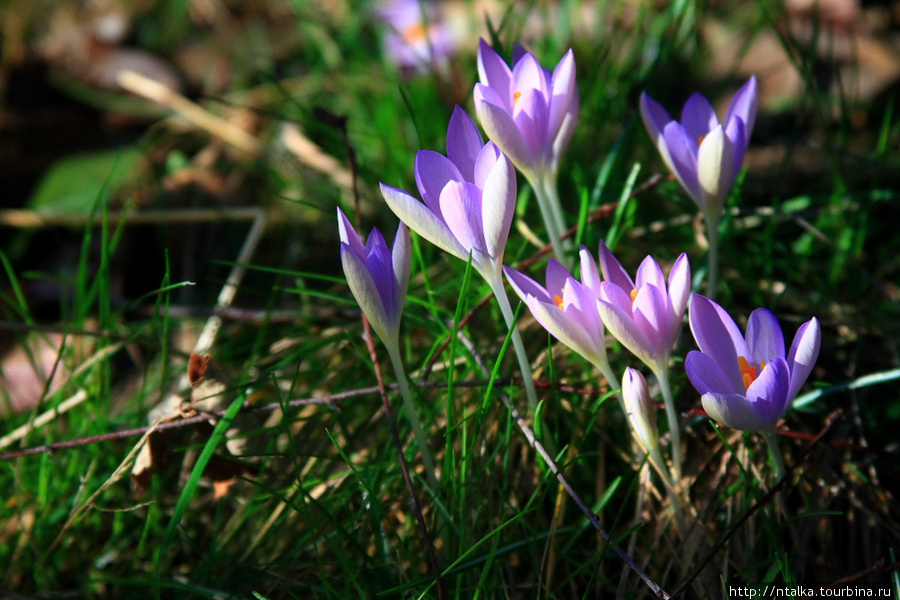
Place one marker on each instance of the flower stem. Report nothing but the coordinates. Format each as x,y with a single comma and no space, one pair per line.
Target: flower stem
775,451
662,374
548,201
495,280
421,440
712,236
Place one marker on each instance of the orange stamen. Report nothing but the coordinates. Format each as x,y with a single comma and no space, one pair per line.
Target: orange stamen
700,139
516,96
558,300
634,294
414,33
749,372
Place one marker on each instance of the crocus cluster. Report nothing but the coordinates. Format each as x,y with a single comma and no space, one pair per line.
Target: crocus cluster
467,205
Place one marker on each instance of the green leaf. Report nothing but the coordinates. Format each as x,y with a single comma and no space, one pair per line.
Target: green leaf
73,184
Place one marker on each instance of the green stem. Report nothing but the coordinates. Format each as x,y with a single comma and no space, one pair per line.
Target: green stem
775,451
712,235
495,280
548,201
662,374
421,440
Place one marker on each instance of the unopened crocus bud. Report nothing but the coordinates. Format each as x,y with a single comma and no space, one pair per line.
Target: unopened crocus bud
641,410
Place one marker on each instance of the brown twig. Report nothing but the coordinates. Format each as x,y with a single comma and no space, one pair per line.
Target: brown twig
759,504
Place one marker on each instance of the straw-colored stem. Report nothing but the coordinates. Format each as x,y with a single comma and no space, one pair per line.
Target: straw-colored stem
421,440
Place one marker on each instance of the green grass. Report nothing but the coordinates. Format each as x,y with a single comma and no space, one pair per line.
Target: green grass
317,505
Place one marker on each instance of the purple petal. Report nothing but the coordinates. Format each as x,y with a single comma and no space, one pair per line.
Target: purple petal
612,269
433,170
461,206
734,411
502,130
422,220
349,235
570,328
803,354
769,392
736,132
528,74
463,143
683,150
716,170
401,255
650,273
698,116
707,376
563,92
557,275
525,286
364,289
590,276
744,105
531,115
651,315
486,162
497,207
679,293
610,292
624,328
718,337
655,120
764,337
564,135
494,72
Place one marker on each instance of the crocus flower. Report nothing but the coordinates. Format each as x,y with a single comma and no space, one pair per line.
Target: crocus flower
644,314
469,194
378,278
746,381
527,110
704,154
418,41
640,409
530,113
568,310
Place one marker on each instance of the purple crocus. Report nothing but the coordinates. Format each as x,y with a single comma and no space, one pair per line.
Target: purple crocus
746,381
417,41
568,310
640,409
704,154
530,113
469,194
378,278
527,110
644,314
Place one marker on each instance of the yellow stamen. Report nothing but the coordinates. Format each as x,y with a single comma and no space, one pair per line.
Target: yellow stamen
634,294
749,372
516,96
558,300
